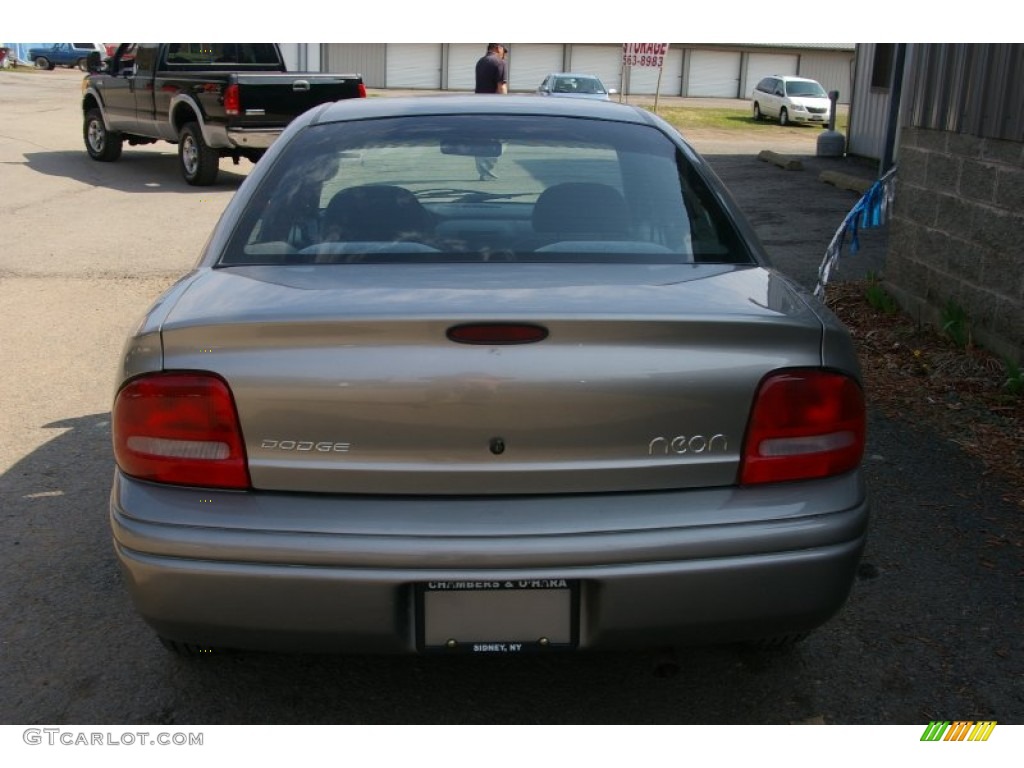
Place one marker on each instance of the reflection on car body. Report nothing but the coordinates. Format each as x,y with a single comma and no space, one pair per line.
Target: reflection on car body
397,409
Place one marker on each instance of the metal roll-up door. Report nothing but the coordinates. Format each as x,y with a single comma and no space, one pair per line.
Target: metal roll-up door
414,65
714,74
644,80
366,59
605,61
761,65
462,59
530,63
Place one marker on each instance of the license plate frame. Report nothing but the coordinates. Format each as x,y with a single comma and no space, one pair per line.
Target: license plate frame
497,616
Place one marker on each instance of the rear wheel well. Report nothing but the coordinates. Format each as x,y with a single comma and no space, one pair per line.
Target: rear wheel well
182,116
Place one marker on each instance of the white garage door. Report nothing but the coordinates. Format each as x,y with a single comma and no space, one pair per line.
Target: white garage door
529,64
714,73
760,65
605,61
414,65
462,59
645,80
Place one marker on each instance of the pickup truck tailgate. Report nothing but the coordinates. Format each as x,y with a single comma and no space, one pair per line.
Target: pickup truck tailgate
276,98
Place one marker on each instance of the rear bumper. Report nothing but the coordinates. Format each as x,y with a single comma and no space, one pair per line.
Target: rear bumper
220,136
256,138
337,574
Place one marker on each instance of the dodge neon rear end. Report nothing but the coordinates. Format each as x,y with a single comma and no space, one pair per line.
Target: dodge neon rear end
455,421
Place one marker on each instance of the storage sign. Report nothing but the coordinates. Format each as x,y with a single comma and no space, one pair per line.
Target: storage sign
644,54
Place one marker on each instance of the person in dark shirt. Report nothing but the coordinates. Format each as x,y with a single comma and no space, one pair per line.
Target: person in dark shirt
492,70
491,77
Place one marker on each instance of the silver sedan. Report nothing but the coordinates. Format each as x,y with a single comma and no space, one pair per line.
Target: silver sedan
399,409
575,86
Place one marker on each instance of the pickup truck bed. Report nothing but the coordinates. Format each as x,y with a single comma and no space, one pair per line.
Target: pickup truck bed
213,100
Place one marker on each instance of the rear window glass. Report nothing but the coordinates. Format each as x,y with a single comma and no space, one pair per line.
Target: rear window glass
479,188
184,54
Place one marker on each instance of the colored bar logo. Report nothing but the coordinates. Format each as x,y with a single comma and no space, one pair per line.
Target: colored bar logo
960,730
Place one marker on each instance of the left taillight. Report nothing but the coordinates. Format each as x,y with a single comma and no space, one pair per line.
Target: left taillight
362,91
180,428
805,424
232,100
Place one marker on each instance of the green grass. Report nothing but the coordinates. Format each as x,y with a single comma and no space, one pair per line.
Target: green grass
725,119
956,324
878,297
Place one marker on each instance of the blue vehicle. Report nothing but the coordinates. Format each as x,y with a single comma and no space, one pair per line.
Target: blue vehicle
64,55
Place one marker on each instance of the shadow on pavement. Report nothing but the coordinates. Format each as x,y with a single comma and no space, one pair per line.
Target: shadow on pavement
932,630
136,171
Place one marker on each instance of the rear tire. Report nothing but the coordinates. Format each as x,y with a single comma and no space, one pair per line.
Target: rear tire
783,116
199,163
101,144
82,64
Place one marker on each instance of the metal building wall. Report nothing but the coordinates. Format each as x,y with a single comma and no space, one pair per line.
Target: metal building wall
869,109
968,88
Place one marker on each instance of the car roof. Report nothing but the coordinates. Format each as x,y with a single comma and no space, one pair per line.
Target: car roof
480,104
574,74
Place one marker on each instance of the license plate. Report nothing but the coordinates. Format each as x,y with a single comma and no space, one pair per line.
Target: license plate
507,616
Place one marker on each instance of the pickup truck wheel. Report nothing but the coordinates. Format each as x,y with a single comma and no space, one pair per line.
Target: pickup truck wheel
199,163
101,144
44,63
82,64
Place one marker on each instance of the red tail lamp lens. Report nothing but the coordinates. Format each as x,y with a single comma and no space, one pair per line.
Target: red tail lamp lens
232,100
805,424
180,428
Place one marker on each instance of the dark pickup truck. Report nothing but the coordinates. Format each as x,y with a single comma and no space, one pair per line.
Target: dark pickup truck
213,100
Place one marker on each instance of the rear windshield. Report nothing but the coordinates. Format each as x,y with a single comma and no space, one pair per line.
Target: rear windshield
203,54
481,188
577,85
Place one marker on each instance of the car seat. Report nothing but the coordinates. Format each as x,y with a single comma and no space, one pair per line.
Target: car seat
581,211
376,213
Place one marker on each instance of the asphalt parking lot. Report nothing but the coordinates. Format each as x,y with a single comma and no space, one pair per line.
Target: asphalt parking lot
933,630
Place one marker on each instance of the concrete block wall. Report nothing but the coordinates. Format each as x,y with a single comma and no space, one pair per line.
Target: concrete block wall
957,234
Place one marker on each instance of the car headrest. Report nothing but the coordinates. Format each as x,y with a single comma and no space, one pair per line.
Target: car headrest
581,207
376,213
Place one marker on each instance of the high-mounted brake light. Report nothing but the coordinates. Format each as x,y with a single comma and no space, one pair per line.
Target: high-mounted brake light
180,428
805,424
232,100
497,333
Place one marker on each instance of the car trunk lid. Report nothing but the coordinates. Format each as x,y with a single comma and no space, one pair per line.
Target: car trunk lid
346,380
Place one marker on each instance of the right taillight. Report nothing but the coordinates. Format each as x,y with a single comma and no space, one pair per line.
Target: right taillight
805,424
232,100
180,428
